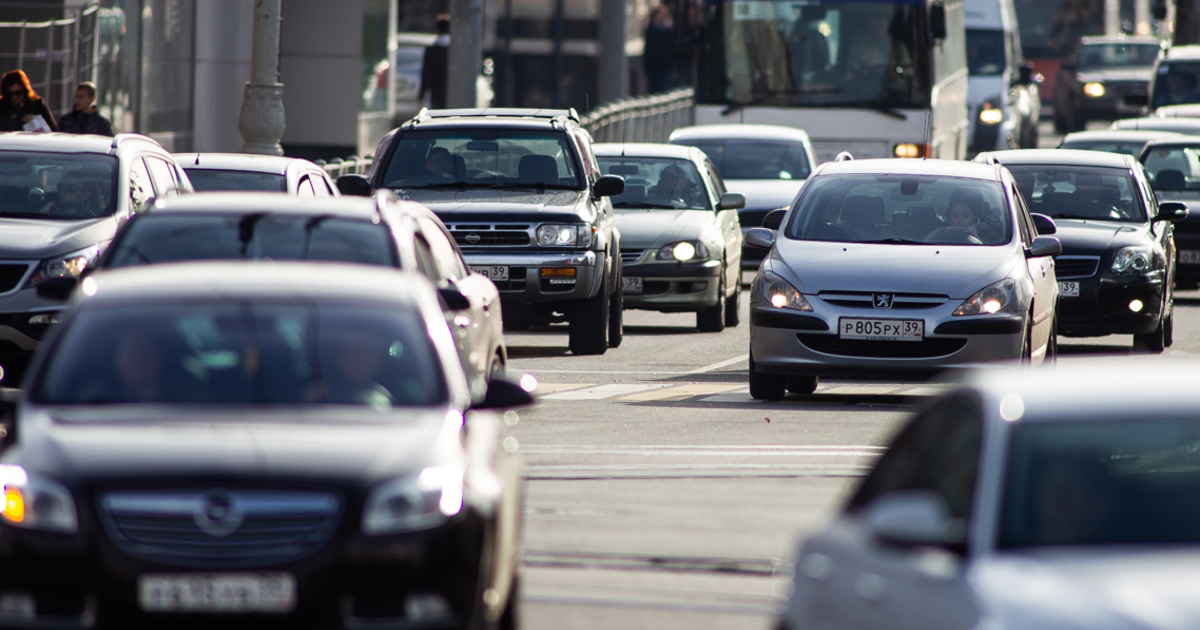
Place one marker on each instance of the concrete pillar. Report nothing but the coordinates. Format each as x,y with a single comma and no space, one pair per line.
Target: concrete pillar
261,121
1112,17
614,68
1141,17
466,52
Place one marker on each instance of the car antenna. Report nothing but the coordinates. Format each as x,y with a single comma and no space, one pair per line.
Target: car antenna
928,132
200,140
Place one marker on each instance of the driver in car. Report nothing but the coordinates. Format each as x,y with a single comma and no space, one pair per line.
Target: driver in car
78,196
671,187
440,163
967,214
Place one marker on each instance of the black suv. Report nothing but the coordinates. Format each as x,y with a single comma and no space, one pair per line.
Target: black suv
522,195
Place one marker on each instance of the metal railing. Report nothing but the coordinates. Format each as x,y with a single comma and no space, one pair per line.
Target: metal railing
56,54
352,165
642,119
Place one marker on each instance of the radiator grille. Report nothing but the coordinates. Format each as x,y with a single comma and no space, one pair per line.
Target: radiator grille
1076,266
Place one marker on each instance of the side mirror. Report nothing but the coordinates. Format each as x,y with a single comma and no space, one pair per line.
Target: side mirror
1172,211
1044,224
503,393
454,299
913,518
57,289
937,21
732,201
760,237
774,219
1137,100
609,186
1044,246
354,185
1025,74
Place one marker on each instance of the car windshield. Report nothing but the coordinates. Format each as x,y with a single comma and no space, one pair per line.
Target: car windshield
152,239
1097,56
1173,167
1176,84
1079,192
985,52
208,179
1128,148
755,159
657,183
485,158
902,210
62,186
225,352
1123,482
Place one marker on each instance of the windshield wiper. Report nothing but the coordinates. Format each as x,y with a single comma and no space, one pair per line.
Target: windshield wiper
879,106
896,240
763,97
644,204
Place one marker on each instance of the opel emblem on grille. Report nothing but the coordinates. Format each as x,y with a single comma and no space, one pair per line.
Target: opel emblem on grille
882,300
218,513
472,238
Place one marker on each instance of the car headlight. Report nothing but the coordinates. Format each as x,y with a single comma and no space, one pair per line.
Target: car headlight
683,251
564,235
32,501
71,265
1095,89
772,288
990,113
990,299
413,503
1132,261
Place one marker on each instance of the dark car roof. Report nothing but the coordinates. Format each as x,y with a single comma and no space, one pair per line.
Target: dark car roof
1065,157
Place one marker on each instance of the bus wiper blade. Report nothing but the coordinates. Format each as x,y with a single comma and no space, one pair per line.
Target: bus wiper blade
879,106
766,96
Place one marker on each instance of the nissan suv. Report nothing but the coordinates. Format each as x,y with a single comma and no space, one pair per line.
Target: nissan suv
521,192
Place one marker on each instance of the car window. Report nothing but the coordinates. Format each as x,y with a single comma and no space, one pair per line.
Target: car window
716,178
207,179
140,189
1173,167
61,186
664,183
485,158
1025,225
1096,56
162,174
1176,83
305,188
755,159
1079,192
586,155
445,255
424,257
985,52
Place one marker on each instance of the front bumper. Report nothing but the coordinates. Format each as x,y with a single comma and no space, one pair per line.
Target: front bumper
526,284
674,287
1102,307
16,312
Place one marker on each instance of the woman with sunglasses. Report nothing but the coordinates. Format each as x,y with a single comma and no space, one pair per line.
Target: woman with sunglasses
19,104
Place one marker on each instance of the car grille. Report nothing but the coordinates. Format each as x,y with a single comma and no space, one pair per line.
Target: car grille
926,348
481,238
170,527
11,275
1076,266
630,256
866,299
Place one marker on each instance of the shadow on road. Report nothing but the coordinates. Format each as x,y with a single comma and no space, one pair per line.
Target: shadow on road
1093,349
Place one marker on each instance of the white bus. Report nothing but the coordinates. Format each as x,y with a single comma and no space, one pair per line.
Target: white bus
875,78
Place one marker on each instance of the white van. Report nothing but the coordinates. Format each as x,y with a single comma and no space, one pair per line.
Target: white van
1001,92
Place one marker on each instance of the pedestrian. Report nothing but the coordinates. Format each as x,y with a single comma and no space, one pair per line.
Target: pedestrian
20,105
85,118
658,51
436,66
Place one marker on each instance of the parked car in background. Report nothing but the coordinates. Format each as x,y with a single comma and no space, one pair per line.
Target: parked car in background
1124,141
900,268
62,198
1173,168
1176,79
1116,273
765,163
255,443
1001,91
1053,499
264,173
681,245
1106,78
1189,126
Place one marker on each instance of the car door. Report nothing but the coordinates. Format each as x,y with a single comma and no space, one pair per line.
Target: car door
1041,271
731,228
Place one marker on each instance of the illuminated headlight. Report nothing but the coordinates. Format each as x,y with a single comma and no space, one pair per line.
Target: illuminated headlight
413,503
683,251
1132,261
990,299
564,235
32,501
771,288
1094,89
990,113
71,265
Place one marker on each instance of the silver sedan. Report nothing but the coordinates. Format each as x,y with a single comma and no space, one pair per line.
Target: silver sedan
899,268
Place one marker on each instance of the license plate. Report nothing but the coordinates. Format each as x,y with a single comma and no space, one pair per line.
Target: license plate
217,592
492,272
1189,256
631,284
882,329
1068,289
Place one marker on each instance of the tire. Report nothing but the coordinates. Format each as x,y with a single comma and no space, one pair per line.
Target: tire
1155,342
766,386
802,384
514,319
588,328
733,315
712,319
1027,344
1052,344
616,318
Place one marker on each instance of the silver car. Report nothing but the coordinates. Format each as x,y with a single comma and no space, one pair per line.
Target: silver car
1056,499
899,268
212,172
681,244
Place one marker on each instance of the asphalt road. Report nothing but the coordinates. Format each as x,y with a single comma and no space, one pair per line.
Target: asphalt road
660,495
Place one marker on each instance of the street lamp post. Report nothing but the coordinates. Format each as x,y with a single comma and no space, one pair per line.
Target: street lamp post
261,121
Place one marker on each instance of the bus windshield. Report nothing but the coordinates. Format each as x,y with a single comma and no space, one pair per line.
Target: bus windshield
1050,29
818,53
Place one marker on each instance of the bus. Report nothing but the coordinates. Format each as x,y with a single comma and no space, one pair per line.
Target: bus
1050,32
875,78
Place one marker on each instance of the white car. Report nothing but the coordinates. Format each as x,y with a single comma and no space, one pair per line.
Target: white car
212,172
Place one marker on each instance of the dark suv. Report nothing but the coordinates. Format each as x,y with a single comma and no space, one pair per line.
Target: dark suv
522,195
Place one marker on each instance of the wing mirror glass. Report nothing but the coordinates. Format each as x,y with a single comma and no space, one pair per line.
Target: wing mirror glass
505,393
913,518
1044,246
760,237
774,219
732,201
57,289
454,299
354,185
1171,211
1044,224
609,186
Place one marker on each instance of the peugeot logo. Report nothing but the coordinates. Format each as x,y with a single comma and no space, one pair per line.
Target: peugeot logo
218,513
472,238
882,300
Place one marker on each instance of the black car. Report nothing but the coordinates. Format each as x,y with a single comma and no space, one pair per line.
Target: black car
1105,79
1116,272
1171,164
260,445
523,196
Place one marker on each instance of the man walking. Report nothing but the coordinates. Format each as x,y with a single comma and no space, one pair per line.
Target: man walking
436,66
85,118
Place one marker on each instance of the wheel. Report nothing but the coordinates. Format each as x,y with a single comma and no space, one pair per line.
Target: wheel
511,618
712,319
766,386
616,318
1169,330
1052,344
514,318
1158,340
802,384
587,331
1027,344
733,314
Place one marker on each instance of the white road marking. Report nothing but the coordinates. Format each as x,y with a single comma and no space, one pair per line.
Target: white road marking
681,392
720,364
547,472
544,389
605,391
732,450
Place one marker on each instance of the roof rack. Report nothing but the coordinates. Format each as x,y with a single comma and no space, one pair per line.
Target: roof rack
844,156
427,114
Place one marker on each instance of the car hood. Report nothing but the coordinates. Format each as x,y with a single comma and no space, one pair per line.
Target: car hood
766,194
956,271
1096,237
1148,589
1138,73
454,206
43,238
643,229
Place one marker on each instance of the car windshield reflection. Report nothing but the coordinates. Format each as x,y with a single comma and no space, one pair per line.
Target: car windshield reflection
657,183
1079,192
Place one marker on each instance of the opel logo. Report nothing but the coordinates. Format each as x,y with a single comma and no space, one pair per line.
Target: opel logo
472,238
218,513
882,300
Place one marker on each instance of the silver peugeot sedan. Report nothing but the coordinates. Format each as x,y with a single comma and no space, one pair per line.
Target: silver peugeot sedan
1055,499
900,268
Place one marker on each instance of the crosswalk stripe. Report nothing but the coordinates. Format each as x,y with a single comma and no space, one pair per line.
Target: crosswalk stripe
681,392
859,390
604,391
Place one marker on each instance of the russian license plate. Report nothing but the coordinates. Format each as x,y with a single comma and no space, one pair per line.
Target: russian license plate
1189,256
492,272
631,284
217,592
882,329
1068,289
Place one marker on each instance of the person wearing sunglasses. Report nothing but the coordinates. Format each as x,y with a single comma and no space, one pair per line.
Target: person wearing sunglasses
20,105
79,196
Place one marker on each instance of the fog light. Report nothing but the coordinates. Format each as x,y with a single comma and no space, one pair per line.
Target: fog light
1136,306
14,505
425,605
1093,89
